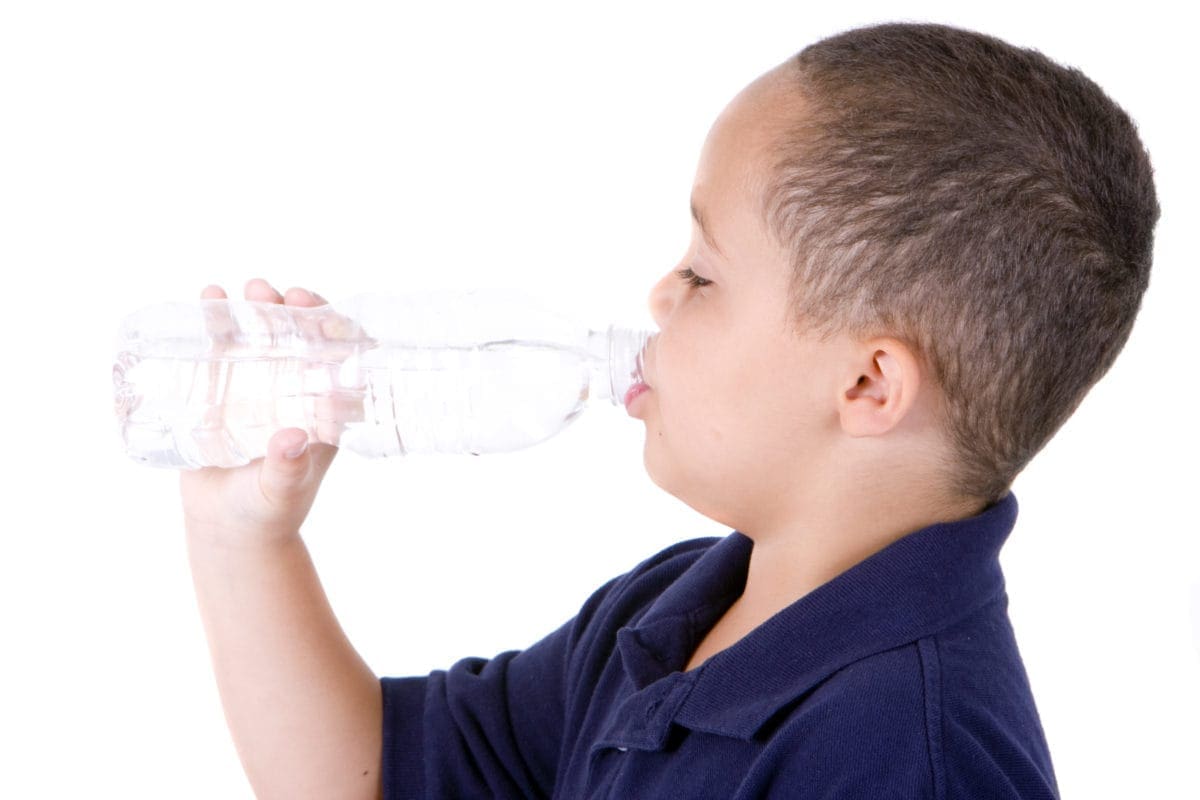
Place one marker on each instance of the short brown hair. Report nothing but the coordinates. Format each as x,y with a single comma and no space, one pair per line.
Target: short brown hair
987,206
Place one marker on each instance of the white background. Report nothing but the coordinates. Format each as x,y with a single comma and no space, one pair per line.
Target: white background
151,148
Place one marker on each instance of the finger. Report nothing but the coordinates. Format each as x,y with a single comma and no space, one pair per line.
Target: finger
338,328
298,301
282,476
336,408
329,428
322,457
260,291
221,328
217,317
265,319
300,297
330,326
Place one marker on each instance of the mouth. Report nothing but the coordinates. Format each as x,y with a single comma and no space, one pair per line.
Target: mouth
634,392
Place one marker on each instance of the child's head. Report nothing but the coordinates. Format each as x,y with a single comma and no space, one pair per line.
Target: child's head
925,246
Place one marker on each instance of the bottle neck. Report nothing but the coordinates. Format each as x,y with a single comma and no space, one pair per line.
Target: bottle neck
615,362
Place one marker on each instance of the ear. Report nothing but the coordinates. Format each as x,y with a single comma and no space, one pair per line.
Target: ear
879,388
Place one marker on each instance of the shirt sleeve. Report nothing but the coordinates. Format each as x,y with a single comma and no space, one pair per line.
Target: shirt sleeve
486,728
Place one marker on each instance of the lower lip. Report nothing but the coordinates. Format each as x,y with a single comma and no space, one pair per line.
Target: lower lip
635,391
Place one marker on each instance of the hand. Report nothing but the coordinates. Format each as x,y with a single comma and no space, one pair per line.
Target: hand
268,499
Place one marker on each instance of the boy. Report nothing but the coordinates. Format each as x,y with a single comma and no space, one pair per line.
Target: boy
916,249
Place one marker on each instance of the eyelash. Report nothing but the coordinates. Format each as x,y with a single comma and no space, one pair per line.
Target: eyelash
692,278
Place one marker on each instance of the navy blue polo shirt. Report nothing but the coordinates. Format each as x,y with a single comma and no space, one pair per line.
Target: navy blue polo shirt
899,678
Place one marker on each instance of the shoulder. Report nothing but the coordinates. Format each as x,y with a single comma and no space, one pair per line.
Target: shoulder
952,713
990,728
863,730
947,716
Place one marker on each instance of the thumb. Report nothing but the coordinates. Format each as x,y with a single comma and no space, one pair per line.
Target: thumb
286,465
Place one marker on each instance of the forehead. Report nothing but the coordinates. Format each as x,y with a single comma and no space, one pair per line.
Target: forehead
735,164
734,160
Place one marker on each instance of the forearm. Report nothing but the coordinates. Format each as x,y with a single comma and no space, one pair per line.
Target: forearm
304,709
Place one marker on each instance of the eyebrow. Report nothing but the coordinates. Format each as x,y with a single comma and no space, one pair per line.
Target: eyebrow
704,229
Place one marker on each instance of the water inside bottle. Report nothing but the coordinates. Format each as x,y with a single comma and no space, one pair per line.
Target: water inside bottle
222,410
185,412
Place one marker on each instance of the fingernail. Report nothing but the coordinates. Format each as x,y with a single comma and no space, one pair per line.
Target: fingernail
296,450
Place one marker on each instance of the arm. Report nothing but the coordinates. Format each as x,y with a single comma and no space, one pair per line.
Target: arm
304,711
303,708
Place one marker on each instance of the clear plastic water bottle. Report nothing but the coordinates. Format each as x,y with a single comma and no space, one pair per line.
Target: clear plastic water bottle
207,382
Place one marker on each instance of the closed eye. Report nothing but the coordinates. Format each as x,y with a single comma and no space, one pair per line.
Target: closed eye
692,278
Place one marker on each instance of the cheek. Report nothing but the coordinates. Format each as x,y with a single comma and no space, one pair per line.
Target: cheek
702,391
737,392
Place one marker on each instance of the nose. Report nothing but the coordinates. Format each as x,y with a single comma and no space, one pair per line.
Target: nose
662,299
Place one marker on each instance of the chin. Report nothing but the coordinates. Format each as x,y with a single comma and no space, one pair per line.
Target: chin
651,460
690,493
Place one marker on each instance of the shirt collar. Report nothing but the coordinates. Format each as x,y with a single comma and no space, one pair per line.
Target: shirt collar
915,586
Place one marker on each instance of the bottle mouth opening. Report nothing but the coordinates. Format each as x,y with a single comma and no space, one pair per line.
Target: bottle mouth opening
626,360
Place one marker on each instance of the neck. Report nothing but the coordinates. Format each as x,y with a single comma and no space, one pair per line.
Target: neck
793,559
